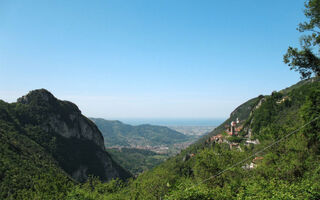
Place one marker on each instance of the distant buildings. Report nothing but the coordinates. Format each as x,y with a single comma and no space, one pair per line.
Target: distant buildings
234,128
249,141
217,138
253,164
235,145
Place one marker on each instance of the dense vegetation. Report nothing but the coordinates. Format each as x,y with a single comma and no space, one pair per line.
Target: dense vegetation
285,163
138,144
288,170
116,133
242,112
27,170
37,162
137,161
306,60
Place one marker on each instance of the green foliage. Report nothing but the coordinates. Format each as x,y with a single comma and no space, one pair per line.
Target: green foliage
260,188
37,164
242,112
94,189
311,111
236,139
305,61
187,190
288,170
137,160
27,171
117,133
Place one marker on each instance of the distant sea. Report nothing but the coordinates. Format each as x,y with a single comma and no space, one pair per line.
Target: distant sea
174,122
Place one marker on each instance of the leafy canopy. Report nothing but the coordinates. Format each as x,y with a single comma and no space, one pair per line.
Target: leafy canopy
306,60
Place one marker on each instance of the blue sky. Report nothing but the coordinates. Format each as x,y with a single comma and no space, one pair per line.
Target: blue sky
148,58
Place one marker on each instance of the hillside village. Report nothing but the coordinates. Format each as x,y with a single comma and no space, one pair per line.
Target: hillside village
235,136
233,131
232,137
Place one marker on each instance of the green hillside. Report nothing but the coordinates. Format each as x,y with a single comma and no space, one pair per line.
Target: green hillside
142,147
137,161
284,164
27,170
47,146
116,133
242,112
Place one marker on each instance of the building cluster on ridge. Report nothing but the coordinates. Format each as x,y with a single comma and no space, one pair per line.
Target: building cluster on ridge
234,128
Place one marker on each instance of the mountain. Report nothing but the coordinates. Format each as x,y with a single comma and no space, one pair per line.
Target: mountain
275,154
241,113
46,140
269,148
140,148
116,133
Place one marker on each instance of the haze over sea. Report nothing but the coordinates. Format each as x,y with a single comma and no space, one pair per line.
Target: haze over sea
174,121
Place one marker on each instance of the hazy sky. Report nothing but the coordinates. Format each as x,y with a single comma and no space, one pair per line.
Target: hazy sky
148,58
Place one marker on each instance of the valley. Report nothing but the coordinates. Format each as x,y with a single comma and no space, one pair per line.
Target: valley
160,100
142,147
31,132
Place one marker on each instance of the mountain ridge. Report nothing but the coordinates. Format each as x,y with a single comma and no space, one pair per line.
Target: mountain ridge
59,127
288,169
221,165
117,133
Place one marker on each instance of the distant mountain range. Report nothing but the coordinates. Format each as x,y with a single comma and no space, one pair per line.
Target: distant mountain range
116,133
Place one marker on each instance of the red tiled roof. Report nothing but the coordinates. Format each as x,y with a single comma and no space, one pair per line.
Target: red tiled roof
257,158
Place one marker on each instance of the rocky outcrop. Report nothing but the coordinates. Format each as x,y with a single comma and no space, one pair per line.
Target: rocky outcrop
78,144
63,117
80,127
260,102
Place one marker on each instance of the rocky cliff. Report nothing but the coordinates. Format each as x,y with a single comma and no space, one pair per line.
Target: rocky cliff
72,139
63,117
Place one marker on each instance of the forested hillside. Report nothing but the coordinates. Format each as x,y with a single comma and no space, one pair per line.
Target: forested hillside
273,152
47,145
117,133
142,147
27,170
137,161
269,148
276,156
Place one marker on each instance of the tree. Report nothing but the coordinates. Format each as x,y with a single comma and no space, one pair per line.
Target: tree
306,60
310,112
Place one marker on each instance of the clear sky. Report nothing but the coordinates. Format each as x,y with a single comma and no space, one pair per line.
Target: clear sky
148,58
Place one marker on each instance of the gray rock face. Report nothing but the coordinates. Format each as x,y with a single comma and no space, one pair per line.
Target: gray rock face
82,150
108,165
80,174
80,127
70,123
39,95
